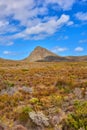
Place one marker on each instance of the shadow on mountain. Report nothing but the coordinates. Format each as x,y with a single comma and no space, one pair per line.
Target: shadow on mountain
52,59
58,59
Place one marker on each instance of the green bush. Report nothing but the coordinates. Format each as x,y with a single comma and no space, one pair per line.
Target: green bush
9,83
34,101
78,119
24,113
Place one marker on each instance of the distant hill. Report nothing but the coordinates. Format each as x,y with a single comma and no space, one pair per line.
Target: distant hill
40,54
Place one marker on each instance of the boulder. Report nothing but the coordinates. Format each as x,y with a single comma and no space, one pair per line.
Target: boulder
57,119
78,93
39,118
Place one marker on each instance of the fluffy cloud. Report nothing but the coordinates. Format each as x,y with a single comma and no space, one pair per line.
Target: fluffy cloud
30,19
42,30
13,53
64,4
63,38
79,49
59,49
81,16
7,52
83,41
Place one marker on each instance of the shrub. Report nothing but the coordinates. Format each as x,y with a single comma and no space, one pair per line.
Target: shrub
34,100
78,119
9,83
23,114
56,100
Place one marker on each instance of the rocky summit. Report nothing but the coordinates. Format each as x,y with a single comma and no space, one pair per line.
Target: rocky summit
40,54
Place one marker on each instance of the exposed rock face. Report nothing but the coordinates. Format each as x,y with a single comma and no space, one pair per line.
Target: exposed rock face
41,54
44,55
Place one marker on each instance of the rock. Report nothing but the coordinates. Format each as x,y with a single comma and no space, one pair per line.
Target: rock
57,119
42,54
19,127
27,89
9,91
13,90
39,118
78,93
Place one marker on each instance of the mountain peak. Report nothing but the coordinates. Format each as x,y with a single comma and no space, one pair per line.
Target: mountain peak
39,47
40,54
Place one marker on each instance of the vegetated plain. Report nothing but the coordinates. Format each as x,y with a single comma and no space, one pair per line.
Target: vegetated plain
58,90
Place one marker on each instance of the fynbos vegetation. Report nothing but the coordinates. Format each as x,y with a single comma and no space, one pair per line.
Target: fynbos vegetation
43,95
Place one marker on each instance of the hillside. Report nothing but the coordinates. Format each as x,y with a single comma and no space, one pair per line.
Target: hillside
40,54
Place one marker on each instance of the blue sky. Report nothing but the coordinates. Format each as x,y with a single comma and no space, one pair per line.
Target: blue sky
58,25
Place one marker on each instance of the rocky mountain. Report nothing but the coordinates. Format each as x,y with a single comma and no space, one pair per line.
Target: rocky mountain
41,54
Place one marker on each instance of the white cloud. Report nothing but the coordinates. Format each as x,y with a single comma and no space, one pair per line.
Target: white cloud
70,23
81,16
44,29
64,4
83,33
63,38
6,40
13,53
83,41
79,49
3,23
10,43
48,27
6,52
21,10
19,19
59,49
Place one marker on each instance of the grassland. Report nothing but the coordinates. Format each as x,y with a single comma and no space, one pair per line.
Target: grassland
49,87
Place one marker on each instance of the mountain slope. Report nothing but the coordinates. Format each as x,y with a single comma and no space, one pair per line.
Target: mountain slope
41,54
